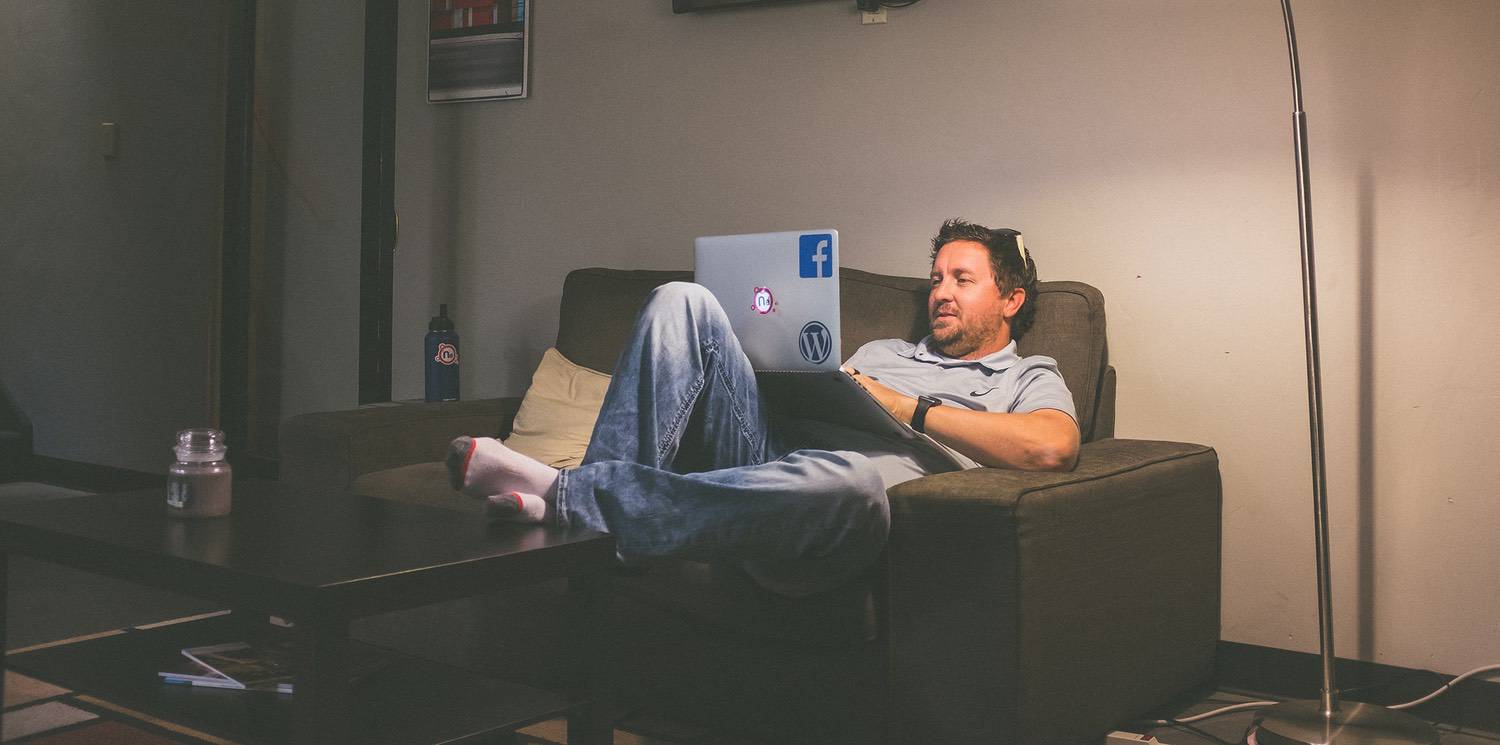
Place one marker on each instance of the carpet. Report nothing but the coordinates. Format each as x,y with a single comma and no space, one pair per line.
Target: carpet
38,712
41,711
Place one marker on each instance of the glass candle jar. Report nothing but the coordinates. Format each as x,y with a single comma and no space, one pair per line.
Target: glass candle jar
198,483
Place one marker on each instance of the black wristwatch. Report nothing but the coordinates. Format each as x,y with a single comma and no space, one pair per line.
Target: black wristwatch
919,417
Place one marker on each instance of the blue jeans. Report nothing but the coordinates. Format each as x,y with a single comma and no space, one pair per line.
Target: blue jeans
684,462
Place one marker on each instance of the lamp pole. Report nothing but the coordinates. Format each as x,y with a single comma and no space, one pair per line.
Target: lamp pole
1327,720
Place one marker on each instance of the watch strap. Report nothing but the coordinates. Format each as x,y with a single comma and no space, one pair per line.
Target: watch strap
919,415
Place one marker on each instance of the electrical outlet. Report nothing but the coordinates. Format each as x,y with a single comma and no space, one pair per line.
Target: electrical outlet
867,17
109,139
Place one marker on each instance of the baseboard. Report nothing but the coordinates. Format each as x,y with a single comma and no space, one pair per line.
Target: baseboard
91,476
1283,673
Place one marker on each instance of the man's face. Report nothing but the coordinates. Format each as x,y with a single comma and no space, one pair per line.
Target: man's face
970,318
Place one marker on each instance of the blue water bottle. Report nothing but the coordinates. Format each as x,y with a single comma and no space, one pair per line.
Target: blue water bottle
442,357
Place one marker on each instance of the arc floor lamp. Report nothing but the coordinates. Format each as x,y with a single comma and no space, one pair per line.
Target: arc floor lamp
1325,721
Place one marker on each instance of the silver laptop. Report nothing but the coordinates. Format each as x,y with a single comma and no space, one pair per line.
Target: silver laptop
781,291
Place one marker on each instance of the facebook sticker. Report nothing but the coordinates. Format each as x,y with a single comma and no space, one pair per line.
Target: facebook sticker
815,251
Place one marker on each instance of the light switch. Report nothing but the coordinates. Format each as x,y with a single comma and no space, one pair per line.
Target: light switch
109,139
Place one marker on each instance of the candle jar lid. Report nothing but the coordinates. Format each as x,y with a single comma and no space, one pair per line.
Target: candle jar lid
200,445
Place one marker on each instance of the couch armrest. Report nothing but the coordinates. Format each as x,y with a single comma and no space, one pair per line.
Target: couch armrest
328,450
1049,607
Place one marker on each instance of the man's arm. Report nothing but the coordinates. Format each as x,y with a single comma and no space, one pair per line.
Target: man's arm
1042,440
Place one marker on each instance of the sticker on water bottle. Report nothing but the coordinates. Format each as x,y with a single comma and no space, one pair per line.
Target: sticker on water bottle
447,354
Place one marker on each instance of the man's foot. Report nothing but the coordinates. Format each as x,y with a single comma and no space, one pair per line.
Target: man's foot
483,466
518,508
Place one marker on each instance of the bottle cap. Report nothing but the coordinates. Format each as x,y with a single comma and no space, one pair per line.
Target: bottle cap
440,321
200,445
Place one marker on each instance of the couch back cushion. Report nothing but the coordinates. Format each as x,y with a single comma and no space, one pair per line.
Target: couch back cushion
599,308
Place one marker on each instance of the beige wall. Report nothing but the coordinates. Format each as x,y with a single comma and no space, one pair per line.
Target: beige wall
1143,146
308,135
109,267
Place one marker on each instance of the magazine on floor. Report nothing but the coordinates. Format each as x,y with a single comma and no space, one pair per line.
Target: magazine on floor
251,667
253,671
255,667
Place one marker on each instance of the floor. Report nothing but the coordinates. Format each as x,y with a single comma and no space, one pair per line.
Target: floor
1227,729
49,602
1230,728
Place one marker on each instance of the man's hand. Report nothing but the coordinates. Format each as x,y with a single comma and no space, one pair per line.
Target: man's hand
900,406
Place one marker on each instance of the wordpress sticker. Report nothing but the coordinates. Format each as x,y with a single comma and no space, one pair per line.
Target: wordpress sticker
815,342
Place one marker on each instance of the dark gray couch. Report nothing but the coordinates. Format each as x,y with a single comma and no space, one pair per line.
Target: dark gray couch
1010,607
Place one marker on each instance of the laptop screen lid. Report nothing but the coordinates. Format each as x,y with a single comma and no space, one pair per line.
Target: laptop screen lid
781,292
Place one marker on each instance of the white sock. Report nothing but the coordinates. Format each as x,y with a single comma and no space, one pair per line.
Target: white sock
483,466
517,507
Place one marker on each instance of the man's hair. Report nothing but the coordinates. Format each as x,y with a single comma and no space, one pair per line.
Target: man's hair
1010,263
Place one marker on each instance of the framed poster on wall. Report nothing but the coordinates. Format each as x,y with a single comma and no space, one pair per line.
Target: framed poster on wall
477,49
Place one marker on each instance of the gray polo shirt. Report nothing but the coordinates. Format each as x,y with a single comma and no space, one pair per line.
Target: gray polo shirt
1001,382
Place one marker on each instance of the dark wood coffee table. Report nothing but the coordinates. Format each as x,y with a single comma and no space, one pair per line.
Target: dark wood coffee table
319,561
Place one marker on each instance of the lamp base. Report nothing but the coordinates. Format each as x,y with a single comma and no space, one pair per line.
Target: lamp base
1303,723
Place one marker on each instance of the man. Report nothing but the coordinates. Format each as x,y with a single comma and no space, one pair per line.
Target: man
1011,412
685,460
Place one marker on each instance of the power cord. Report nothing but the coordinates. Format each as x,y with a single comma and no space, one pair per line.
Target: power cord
1210,714
1259,704
1446,687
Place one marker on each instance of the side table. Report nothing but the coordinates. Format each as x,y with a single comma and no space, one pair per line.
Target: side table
321,561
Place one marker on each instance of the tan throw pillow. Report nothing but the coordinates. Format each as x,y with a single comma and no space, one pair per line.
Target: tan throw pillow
558,412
